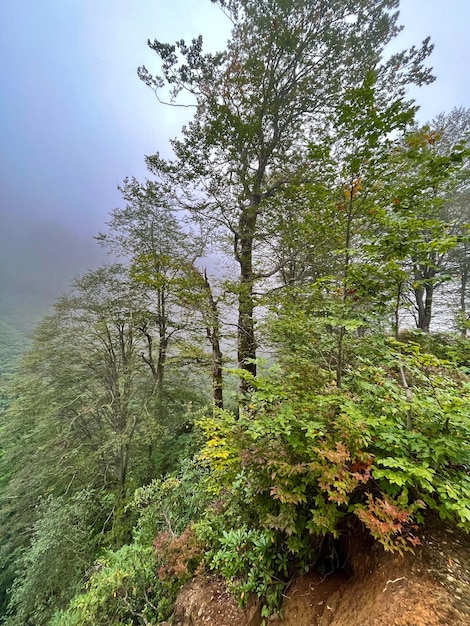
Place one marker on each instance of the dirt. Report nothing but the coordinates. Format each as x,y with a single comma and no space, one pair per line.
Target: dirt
205,601
428,588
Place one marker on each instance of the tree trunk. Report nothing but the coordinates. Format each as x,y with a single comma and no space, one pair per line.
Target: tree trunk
397,310
217,376
246,328
464,277
213,334
344,288
424,296
163,341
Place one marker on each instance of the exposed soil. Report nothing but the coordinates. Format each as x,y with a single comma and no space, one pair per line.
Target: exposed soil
428,588
206,601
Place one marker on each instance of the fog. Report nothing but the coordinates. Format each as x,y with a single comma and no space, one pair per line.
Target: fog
75,120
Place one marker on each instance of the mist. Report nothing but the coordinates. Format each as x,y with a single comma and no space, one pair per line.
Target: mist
38,259
76,121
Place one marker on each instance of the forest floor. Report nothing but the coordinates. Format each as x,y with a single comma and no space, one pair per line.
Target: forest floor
428,588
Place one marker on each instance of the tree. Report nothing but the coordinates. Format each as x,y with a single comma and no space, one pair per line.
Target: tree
63,544
343,282
83,401
454,129
417,230
258,107
162,257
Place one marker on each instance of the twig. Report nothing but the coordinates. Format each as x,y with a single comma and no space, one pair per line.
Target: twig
409,398
392,582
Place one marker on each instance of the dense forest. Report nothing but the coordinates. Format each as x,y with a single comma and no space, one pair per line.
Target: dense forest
276,354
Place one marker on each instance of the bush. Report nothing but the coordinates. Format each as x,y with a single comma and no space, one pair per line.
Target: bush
134,585
122,587
300,463
170,503
139,582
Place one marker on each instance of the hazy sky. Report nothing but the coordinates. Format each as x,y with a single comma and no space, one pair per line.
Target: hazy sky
75,119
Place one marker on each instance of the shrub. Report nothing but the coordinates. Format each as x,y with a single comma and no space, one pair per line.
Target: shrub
139,582
169,503
122,587
299,464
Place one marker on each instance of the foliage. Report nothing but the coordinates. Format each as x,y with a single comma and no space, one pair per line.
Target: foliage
169,504
83,415
179,305
252,562
12,344
258,106
62,547
178,556
136,584
140,580
122,588
446,346
417,230
426,458
338,213
300,463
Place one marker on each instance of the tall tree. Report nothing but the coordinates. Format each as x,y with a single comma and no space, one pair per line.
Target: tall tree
147,232
418,229
453,129
335,271
84,415
162,254
83,398
258,105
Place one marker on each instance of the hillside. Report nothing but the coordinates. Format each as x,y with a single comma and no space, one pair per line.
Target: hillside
301,411
374,588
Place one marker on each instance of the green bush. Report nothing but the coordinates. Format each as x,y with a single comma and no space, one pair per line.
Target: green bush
170,503
300,463
122,588
138,583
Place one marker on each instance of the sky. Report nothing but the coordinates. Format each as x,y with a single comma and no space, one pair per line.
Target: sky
75,120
